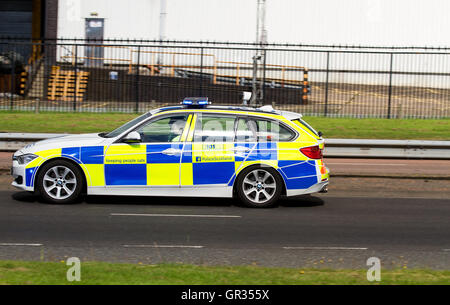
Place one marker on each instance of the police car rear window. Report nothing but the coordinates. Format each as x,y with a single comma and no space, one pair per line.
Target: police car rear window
259,130
302,123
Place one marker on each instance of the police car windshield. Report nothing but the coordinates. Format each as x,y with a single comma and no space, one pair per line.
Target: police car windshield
126,126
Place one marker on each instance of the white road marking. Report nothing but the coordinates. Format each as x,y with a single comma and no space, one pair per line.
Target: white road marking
373,164
323,248
20,244
162,246
177,215
446,250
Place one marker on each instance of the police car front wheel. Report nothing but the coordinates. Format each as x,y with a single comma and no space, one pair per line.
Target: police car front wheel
259,187
59,181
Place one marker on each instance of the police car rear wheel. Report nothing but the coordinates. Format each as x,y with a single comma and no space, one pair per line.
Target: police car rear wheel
259,187
59,182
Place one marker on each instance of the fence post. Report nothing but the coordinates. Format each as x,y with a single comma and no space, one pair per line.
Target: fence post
254,99
326,84
75,63
136,109
46,57
390,87
201,71
13,79
264,78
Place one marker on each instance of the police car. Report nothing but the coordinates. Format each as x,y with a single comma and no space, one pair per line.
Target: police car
190,150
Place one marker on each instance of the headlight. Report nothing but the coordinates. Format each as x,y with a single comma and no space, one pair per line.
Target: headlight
27,158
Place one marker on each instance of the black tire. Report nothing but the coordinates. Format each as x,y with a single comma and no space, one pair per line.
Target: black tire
243,189
74,188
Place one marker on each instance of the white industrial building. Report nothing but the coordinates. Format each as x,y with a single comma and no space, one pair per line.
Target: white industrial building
346,22
404,23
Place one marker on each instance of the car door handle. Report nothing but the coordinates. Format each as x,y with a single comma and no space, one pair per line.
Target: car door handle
171,151
241,149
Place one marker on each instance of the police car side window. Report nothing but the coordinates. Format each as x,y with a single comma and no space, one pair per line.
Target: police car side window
260,130
168,129
214,128
273,131
246,131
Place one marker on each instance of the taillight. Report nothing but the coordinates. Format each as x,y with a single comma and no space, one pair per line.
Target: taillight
312,152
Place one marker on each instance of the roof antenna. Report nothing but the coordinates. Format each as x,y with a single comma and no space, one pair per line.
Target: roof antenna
245,97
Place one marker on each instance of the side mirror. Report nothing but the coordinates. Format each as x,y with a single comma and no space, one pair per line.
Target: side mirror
132,137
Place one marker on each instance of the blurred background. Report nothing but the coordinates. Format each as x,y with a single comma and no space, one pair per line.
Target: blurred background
353,58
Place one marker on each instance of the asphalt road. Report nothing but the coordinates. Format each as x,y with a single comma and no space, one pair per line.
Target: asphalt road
308,231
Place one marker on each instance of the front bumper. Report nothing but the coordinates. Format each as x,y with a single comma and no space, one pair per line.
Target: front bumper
19,174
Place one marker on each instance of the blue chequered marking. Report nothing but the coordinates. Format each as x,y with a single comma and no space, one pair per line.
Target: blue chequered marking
71,152
155,155
241,156
296,169
232,180
298,174
187,154
92,155
300,183
29,172
263,151
126,174
212,173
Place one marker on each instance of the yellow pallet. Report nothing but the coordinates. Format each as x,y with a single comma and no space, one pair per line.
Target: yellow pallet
64,85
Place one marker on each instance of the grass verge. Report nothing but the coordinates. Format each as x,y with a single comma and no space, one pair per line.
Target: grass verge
331,127
19,272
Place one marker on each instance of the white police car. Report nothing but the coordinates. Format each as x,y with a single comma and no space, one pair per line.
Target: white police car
193,150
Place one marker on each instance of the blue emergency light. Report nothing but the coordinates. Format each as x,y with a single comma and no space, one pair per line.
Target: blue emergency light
195,101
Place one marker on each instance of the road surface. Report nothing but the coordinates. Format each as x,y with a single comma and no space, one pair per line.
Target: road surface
315,231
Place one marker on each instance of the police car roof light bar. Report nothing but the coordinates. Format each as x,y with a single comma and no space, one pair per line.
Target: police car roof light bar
195,101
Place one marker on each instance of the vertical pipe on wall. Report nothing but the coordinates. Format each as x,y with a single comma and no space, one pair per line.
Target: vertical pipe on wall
261,32
261,41
162,26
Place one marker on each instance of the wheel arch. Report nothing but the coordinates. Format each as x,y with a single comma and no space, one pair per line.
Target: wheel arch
258,165
76,164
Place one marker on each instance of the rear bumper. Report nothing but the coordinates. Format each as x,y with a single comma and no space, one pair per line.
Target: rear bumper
316,188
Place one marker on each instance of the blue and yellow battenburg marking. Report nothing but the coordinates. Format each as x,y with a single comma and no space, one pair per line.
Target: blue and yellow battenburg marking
32,167
212,163
189,164
298,175
90,159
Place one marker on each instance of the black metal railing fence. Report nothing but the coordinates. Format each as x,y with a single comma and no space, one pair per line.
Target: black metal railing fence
135,76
